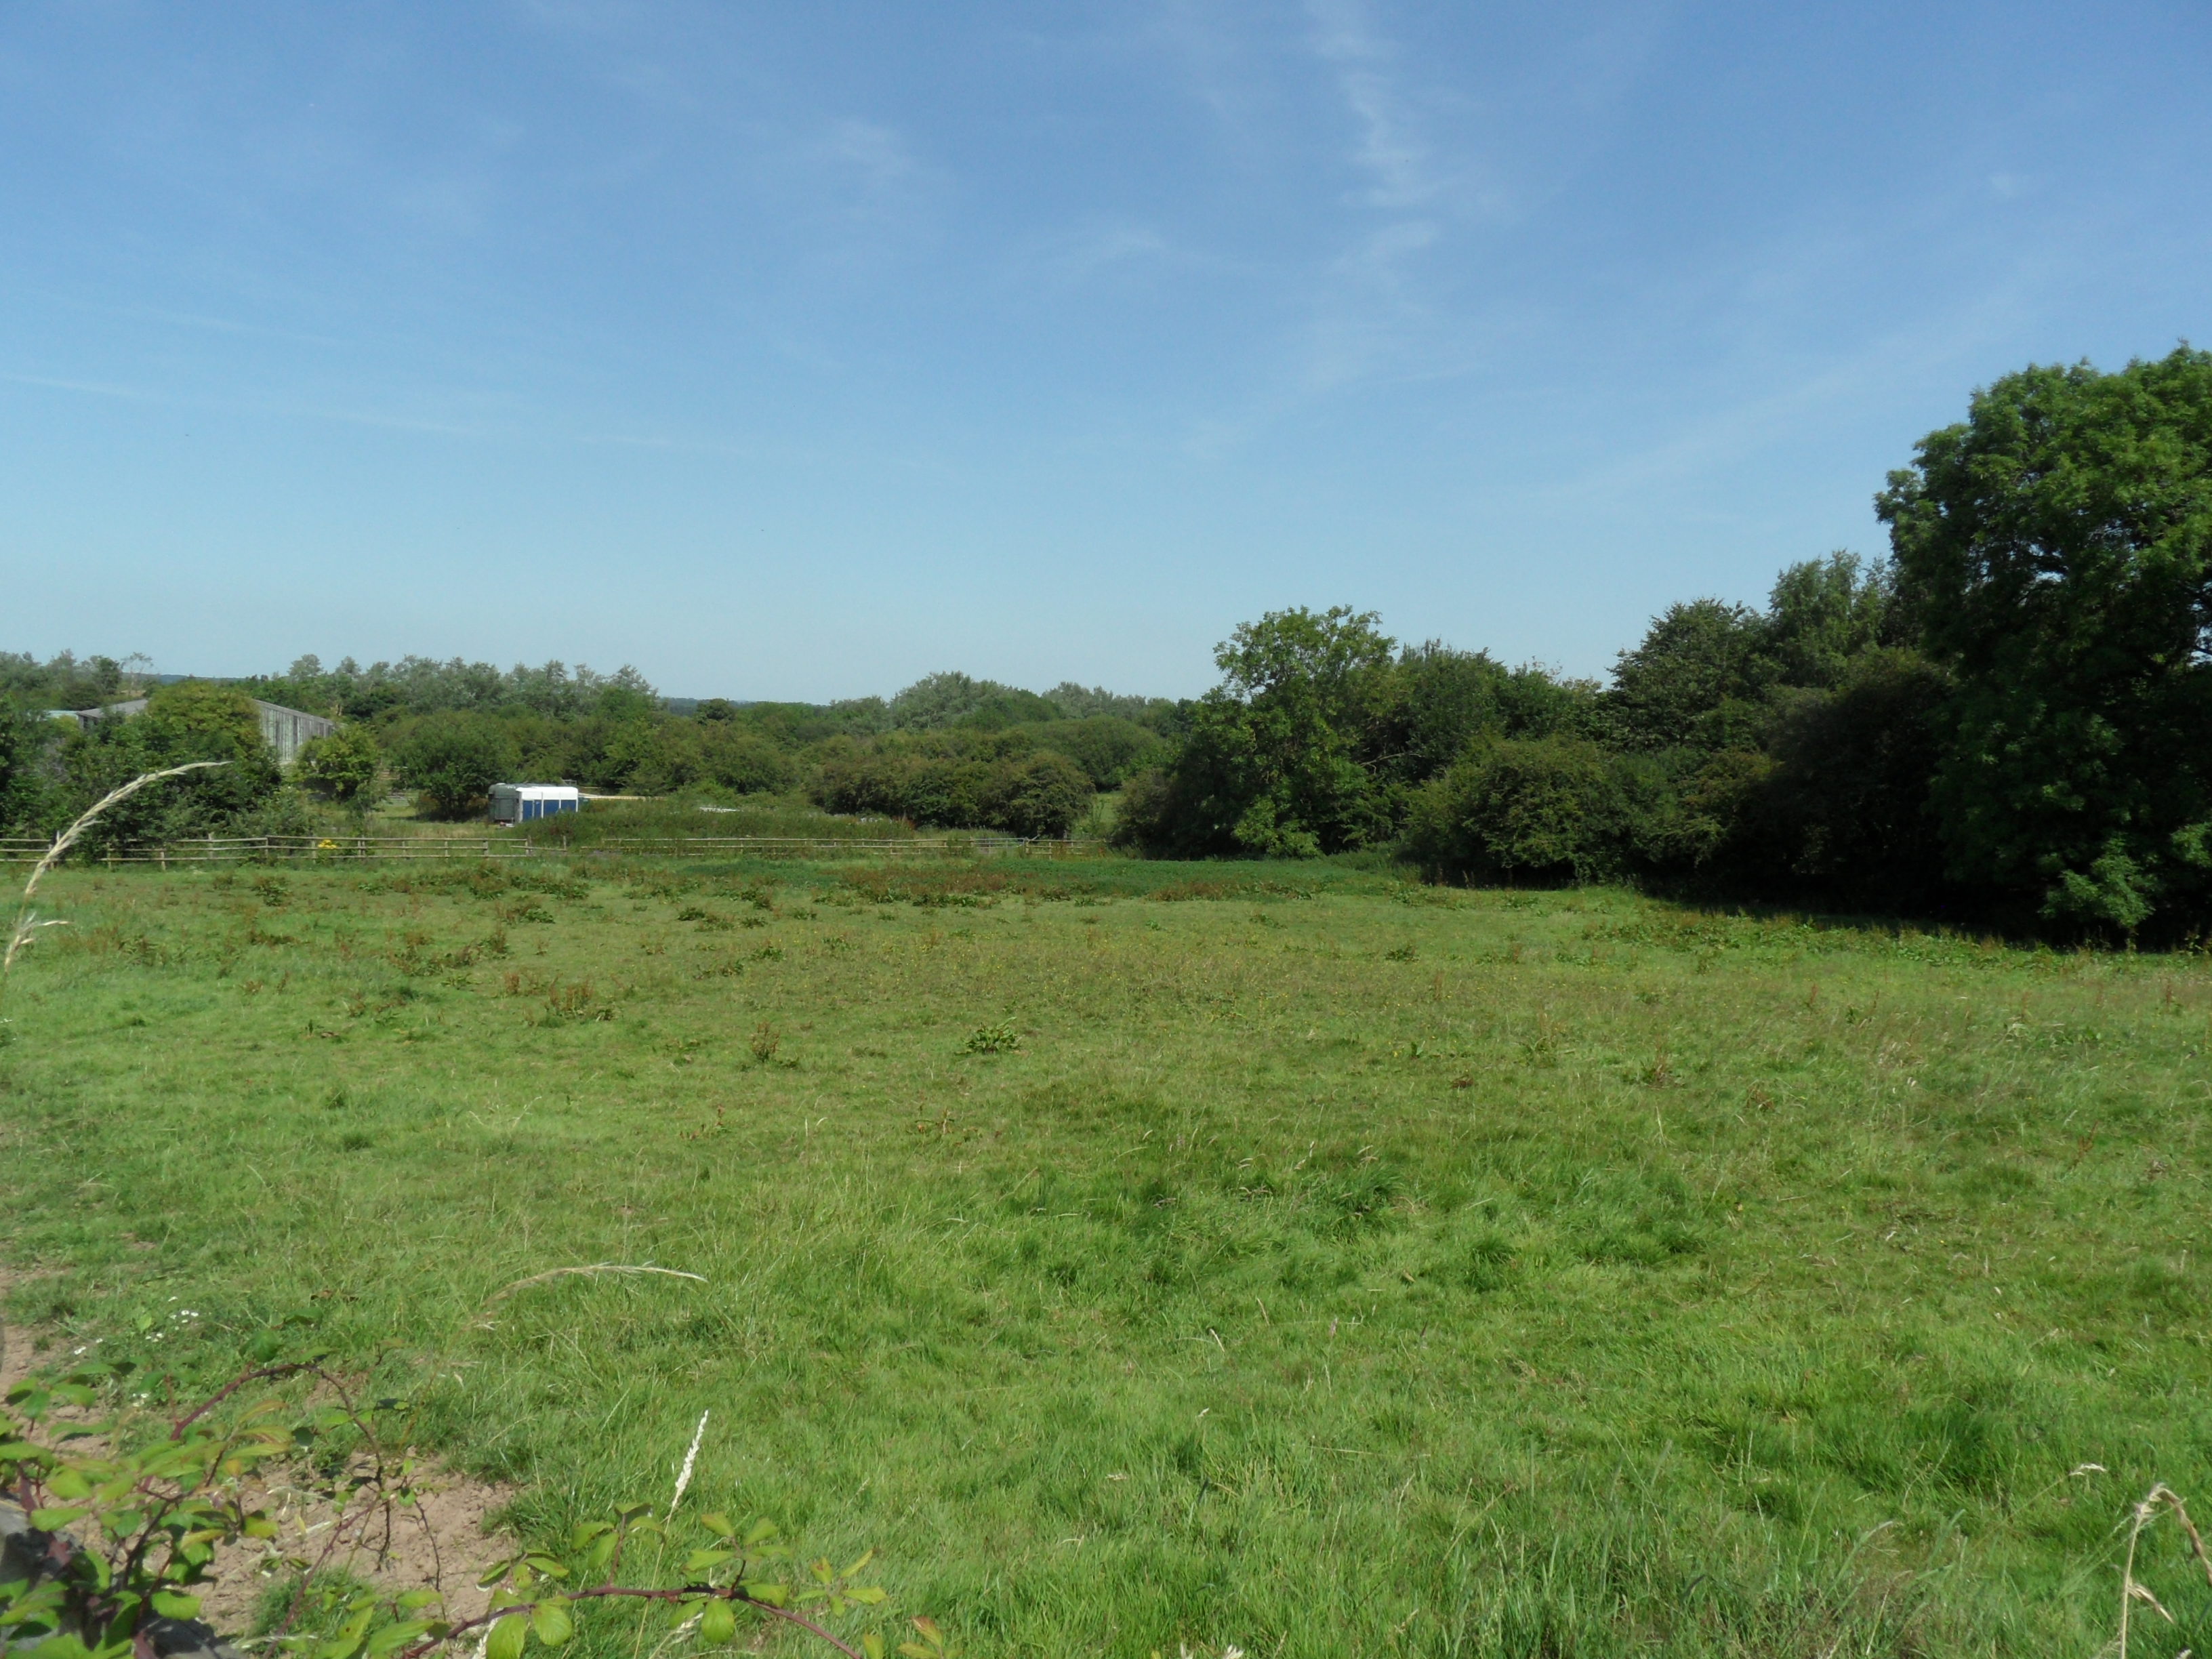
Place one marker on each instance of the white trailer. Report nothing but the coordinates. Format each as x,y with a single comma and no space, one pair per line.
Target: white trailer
519,802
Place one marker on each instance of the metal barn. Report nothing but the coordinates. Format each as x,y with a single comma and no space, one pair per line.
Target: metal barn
286,731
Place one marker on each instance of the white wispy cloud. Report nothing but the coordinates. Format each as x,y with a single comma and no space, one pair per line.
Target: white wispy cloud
1373,313
1390,149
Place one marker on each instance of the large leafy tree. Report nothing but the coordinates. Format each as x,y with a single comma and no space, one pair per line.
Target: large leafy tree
1277,760
26,738
1694,680
194,720
2057,548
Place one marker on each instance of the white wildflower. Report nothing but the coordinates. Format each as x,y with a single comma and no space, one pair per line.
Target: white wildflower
691,1458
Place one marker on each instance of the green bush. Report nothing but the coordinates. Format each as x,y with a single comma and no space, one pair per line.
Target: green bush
1847,806
344,766
1547,810
194,720
452,760
1109,750
1040,795
27,739
1024,794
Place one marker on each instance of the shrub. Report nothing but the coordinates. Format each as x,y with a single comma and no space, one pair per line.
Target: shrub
344,765
194,720
453,759
27,740
1848,804
1036,794
1039,795
1108,749
1551,810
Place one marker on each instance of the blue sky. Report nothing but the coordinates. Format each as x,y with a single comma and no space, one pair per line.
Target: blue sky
798,350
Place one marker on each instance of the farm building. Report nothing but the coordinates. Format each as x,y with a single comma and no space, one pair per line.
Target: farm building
517,803
286,731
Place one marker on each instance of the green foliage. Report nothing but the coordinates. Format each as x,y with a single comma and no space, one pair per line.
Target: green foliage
1083,702
453,759
1694,680
997,1039
1846,809
1318,736
450,729
2056,546
728,758
143,1521
192,720
1547,810
1038,794
421,685
1110,749
121,1538
66,681
937,701
27,739
999,783
1269,764
347,766
1824,615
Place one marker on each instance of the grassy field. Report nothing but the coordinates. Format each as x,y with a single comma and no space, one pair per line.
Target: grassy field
1275,1255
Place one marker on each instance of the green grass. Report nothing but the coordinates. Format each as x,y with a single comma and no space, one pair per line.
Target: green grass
1332,1267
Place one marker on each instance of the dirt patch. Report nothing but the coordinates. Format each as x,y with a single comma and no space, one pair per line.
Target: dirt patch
442,1540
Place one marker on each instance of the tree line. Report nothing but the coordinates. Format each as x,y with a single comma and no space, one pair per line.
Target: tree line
2007,718
950,751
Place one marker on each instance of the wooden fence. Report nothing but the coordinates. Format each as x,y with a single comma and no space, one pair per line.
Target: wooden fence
333,849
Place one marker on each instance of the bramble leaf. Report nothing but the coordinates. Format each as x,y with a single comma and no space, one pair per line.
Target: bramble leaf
552,1623
497,1570
507,1638
399,1635
718,1623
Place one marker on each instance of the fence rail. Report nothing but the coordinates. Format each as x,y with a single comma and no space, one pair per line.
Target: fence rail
266,849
